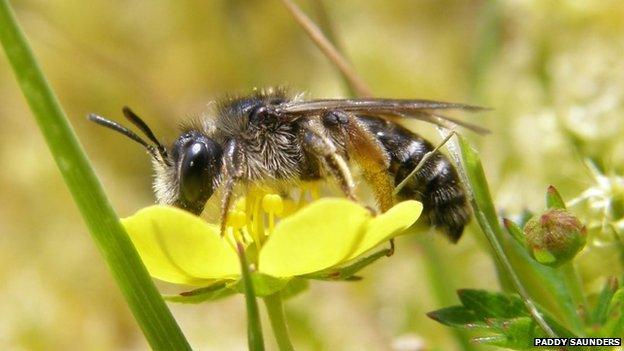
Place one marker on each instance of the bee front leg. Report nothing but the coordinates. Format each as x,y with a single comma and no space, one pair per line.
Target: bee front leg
233,163
315,142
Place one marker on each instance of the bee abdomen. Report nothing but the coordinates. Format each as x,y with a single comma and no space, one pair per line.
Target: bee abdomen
438,187
436,184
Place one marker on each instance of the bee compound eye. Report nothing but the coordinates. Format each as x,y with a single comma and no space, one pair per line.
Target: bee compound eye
200,161
195,163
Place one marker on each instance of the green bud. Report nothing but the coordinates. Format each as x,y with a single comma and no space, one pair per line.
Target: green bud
555,236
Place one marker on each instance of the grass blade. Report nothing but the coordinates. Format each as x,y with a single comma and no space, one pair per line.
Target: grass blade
148,307
329,50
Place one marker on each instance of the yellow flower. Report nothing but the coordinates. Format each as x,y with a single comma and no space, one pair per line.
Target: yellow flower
181,248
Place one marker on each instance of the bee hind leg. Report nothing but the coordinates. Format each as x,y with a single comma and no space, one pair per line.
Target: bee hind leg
315,142
366,151
368,154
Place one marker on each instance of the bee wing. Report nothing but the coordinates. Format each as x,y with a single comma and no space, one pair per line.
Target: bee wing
425,110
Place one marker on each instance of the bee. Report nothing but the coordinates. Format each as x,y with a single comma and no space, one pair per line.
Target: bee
273,137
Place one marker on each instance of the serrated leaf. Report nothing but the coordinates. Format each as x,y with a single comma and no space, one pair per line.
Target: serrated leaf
518,332
458,317
553,199
501,315
492,305
490,340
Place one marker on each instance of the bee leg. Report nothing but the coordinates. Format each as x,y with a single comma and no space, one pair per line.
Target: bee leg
318,144
233,162
366,151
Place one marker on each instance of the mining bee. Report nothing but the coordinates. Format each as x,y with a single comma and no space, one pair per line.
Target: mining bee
272,137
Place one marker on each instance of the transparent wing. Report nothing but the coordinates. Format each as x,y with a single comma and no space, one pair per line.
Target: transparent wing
425,110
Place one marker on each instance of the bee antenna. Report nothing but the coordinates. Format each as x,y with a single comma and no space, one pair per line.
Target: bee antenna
123,130
139,123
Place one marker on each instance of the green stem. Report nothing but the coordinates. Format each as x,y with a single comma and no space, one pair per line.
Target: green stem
275,309
254,327
573,282
485,214
146,304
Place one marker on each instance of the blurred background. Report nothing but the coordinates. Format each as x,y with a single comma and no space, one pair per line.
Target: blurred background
552,72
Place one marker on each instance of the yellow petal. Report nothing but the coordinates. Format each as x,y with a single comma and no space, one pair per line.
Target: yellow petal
388,225
178,247
317,237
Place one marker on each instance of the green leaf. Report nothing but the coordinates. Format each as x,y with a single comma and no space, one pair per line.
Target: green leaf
502,317
179,247
210,293
600,313
614,324
519,332
492,305
458,317
160,329
553,199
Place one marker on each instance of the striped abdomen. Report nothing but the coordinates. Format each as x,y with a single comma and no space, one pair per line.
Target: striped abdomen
436,184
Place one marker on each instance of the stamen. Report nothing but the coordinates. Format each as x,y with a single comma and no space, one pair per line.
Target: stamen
237,219
273,205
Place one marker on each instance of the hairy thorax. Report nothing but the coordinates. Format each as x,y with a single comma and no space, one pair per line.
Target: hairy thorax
272,151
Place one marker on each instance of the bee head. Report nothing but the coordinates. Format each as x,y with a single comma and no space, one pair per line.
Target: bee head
195,169
184,178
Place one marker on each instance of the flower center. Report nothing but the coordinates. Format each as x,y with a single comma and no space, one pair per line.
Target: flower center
254,216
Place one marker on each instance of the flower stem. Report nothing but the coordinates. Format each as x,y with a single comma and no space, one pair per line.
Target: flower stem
573,282
254,328
275,309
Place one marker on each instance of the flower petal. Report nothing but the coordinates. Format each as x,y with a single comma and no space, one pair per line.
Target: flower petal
317,237
388,225
179,247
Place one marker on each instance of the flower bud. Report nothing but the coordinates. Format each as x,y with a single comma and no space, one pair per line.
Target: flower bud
555,236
